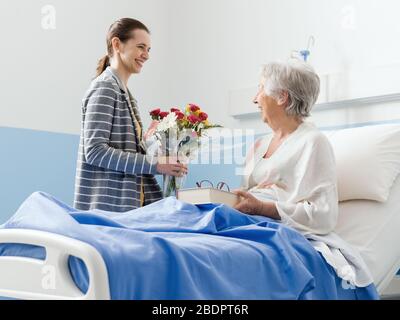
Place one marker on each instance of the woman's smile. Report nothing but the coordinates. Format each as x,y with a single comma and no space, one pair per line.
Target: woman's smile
139,63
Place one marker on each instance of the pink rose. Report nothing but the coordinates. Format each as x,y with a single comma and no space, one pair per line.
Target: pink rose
179,115
194,108
193,119
155,112
203,116
163,114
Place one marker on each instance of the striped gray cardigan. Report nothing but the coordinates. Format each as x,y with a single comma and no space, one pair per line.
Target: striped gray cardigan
112,164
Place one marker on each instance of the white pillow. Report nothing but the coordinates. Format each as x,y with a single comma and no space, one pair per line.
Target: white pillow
369,226
368,161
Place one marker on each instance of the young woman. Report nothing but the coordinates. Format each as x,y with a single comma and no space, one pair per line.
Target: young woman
113,171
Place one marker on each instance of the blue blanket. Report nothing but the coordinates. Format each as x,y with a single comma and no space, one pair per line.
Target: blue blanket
174,250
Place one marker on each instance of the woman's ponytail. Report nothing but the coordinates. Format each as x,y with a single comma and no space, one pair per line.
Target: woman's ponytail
102,65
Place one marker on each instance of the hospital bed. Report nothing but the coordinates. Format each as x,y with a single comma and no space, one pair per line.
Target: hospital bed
373,229
370,226
25,278
28,278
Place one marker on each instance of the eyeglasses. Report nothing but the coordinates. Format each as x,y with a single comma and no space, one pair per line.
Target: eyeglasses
220,185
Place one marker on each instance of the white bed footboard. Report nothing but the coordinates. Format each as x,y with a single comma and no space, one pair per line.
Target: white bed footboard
28,278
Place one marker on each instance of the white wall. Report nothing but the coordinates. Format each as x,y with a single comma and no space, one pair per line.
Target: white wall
220,45
202,50
46,72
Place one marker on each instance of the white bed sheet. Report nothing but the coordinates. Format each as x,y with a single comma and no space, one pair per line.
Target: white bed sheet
374,229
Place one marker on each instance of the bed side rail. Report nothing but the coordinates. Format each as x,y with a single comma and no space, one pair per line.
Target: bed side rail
28,278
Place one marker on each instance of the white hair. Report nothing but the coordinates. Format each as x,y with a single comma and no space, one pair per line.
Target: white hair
300,82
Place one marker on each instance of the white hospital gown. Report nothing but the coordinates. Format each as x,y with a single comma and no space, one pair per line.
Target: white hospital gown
300,177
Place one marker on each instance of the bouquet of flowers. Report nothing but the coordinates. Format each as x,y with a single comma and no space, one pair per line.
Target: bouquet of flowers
178,133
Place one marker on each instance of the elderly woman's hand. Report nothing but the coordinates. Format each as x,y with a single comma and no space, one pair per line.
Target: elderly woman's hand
251,205
248,203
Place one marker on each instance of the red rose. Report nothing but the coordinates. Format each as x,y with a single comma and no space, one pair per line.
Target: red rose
175,110
179,115
163,114
194,108
155,112
203,116
193,119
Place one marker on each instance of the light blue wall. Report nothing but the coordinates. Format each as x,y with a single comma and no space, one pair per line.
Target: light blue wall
35,161
45,161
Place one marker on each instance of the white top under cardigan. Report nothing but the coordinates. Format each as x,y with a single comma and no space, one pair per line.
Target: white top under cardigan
300,177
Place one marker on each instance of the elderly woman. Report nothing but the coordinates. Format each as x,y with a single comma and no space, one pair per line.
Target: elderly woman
291,173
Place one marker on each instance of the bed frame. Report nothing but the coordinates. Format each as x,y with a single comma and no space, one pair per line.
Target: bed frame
389,288
28,278
50,279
